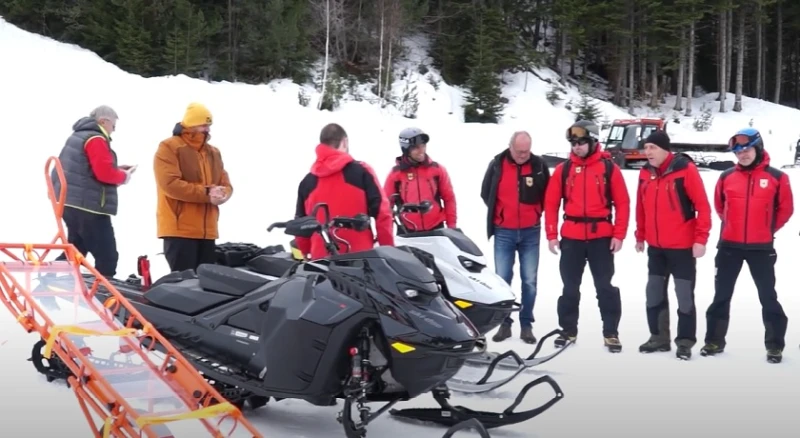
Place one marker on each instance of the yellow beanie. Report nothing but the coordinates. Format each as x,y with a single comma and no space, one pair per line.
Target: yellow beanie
196,115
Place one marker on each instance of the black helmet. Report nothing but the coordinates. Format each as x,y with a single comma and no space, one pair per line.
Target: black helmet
411,137
583,129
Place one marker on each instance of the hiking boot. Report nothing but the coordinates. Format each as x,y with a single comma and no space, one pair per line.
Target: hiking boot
683,352
527,336
654,345
774,355
502,334
711,350
562,340
613,344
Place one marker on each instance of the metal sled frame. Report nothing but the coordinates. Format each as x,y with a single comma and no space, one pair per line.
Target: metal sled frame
175,377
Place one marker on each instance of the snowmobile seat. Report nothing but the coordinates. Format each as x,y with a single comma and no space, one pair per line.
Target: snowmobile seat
271,265
459,239
185,297
227,280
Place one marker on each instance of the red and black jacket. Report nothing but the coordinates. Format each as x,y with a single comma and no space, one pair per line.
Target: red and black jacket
586,190
672,207
418,182
514,193
349,188
753,203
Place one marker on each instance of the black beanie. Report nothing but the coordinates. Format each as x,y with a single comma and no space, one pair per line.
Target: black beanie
660,139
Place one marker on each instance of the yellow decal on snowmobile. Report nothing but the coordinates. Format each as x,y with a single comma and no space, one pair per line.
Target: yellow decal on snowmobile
462,304
403,348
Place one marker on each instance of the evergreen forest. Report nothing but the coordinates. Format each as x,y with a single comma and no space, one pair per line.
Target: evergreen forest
645,49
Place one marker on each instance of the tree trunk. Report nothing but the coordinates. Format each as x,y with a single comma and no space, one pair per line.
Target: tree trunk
654,84
779,54
690,72
681,68
380,52
723,26
632,55
327,46
728,49
737,104
562,70
759,50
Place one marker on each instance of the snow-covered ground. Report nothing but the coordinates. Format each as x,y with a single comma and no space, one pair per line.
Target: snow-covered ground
267,140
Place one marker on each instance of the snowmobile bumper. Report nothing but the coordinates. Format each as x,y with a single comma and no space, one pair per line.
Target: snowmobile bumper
449,415
487,317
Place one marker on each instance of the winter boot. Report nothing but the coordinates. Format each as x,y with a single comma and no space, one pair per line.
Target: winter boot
613,344
527,336
502,334
683,352
774,355
563,339
655,344
711,350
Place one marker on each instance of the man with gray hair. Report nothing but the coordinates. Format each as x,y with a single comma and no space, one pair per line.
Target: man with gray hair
513,191
92,177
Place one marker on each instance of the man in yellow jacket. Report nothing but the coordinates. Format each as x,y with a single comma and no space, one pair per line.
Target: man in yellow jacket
192,183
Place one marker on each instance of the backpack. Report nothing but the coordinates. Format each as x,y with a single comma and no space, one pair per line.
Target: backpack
607,175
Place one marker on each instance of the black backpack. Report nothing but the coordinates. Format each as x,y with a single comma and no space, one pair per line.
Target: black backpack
607,175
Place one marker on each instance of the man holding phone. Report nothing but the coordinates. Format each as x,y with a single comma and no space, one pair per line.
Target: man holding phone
92,176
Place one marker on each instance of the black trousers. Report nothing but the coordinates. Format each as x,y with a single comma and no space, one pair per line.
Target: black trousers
682,266
574,255
92,233
728,263
182,253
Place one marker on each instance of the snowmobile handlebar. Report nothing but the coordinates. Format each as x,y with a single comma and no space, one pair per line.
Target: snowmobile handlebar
306,226
423,207
400,209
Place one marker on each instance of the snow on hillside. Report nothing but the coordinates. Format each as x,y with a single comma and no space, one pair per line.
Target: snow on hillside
267,140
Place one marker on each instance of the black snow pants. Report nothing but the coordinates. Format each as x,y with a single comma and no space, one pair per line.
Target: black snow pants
92,233
183,253
728,263
682,266
574,255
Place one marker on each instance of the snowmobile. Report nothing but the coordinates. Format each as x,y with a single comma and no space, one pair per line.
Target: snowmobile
364,327
461,267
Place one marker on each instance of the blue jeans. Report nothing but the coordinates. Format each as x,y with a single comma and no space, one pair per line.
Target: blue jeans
507,242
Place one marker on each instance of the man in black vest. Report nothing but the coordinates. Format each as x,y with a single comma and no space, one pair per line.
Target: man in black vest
92,177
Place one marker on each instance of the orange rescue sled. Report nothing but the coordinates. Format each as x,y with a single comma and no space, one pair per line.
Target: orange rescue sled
136,397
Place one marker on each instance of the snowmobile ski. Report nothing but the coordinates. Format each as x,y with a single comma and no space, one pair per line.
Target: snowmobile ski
511,360
449,415
116,394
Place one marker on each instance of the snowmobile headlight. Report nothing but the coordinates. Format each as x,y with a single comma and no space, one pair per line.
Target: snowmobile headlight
410,293
470,265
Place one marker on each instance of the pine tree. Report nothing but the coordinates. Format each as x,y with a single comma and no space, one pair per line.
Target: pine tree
484,104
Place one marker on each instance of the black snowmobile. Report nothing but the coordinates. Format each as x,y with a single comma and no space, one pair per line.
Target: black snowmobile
458,266
364,327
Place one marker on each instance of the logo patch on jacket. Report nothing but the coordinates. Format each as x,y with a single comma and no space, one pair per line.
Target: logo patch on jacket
763,183
529,181
410,176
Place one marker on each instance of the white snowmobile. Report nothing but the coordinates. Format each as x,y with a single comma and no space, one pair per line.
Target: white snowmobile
457,262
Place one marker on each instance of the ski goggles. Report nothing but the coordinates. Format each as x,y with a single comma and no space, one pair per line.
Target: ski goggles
576,132
412,142
740,142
